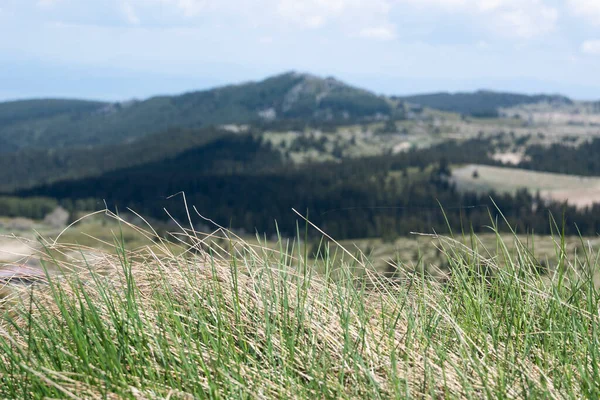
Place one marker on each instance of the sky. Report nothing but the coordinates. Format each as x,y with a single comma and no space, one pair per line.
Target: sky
122,49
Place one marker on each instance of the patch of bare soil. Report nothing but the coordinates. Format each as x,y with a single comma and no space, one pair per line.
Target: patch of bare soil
579,198
509,158
401,147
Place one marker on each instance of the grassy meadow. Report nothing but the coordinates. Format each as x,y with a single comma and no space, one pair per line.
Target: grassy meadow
217,316
581,191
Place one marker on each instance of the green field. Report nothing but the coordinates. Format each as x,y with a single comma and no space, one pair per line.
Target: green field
576,190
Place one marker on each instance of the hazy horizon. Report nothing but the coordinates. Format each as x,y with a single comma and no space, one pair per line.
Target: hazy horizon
116,50
508,87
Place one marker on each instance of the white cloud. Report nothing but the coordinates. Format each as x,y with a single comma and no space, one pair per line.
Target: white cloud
370,18
373,19
188,8
192,7
440,4
316,13
589,9
517,18
384,32
591,47
526,22
47,3
130,14
487,5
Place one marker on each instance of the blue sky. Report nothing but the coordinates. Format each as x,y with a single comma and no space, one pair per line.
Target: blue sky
121,49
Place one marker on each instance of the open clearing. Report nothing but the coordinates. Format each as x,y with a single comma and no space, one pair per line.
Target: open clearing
576,190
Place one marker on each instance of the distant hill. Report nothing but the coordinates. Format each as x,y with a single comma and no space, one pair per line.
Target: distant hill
57,124
52,124
30,167
27,122
482,103
14,112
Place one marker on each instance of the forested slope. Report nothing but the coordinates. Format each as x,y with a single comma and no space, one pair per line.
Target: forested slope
241,183
481,103
54,124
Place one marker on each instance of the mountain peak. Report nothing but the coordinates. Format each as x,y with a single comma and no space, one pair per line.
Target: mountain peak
290,95
308,96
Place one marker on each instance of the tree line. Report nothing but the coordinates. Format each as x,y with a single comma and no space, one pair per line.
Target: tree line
240,183
564,159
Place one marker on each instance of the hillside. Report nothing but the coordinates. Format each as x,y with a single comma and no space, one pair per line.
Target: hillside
216,317
242,182
480,103
22,122
13,112
30,167
52,124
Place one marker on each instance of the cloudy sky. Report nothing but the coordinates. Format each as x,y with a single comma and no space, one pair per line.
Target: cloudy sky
120,49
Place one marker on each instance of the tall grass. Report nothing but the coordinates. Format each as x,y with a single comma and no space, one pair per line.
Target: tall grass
245,321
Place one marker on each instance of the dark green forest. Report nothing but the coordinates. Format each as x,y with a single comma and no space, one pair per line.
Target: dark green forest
483,103
27,110
564,159
32,167
240,183
32,207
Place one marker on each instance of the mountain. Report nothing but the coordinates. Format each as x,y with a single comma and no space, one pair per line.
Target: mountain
54,124
46,141
14,112
480,103
30,167
26,122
